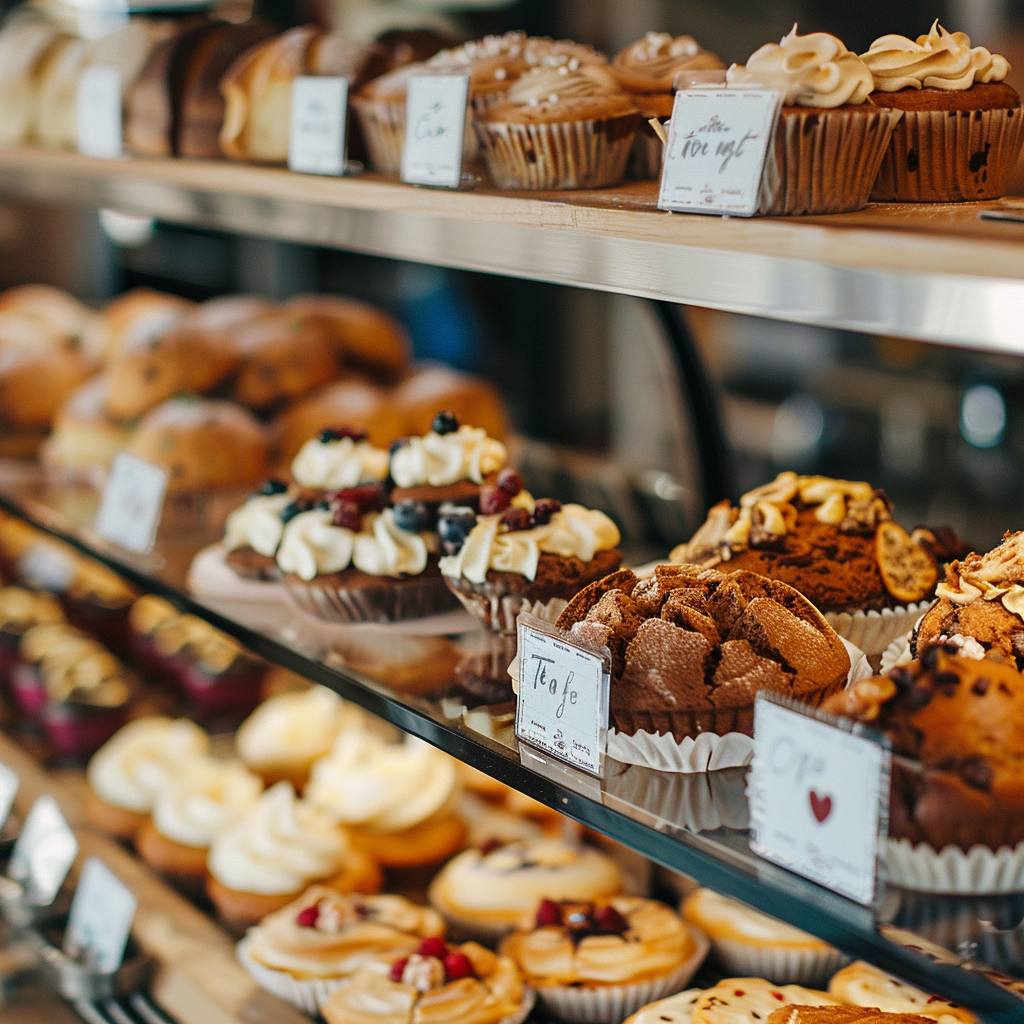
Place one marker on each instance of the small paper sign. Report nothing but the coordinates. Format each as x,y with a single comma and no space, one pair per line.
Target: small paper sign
435,126
316,141
717,142
101,918
9,783
562,707
99,112
819,798
44,853
132,502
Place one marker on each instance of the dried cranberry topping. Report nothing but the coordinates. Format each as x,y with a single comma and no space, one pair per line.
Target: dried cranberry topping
509,481
347,515
398,969
369,497
493,500
458,965
491,845
515,519
608,921
433,946
544,509
548,913
307,917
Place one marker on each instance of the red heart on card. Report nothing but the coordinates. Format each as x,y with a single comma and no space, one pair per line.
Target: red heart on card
821,806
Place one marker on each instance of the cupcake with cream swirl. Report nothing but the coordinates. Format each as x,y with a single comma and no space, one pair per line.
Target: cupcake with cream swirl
961,131
829,141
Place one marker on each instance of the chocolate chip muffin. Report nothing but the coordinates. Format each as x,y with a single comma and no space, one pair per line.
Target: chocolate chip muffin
691,648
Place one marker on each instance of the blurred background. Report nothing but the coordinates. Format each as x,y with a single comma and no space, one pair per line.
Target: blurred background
589,378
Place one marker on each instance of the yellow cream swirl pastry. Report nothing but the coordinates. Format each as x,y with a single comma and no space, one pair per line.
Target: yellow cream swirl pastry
73,666
439,460
332,462
21,608
257,524
938,60
815,70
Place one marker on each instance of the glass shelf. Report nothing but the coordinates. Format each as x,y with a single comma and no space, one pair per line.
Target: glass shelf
432,686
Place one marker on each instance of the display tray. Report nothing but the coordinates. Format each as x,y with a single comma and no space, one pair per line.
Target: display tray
935,272
696,823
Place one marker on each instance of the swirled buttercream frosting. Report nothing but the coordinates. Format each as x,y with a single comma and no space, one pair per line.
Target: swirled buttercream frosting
141,759
938,60
339,463
651,64
257,524
437,460
279,846
572,532
385,787
815,70
549,85
383,548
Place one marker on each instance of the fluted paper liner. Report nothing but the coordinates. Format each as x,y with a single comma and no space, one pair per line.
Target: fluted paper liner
977,872
646,157
499,612
573,154
612,1004
780,965
825,161
947,156
873,631
383,126
308,994
410,597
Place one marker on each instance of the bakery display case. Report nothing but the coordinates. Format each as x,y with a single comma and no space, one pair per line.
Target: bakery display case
945,274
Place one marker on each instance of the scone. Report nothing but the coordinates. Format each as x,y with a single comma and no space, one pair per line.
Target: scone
132,320
863,984
748,1000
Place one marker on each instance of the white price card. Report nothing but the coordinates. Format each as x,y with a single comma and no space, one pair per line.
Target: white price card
133,500
101,918
562,706
9,783
435,126
44,853
819,797
99,112
717,143
316,137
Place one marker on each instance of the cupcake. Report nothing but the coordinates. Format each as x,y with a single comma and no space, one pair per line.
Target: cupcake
97,600
486,893
288,732
750,944
204,797
464,983
398,801
560,128
601,961
129,770
306,950
20,610
836,542
961,130
281,845
830,139
647,70
532,557
863,984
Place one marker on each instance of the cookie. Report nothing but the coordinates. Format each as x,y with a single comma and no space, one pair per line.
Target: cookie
863,984
750,1000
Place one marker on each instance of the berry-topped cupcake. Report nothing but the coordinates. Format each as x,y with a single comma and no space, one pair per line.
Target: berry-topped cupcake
602,961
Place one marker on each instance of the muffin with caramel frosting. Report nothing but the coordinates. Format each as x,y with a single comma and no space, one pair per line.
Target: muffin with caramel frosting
961,130
603,960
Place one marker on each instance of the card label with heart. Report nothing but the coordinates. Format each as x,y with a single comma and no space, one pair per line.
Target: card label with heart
819,796
132,503
717,143
101,918
44,853
9,783
435,126
316,141
98,112
562,707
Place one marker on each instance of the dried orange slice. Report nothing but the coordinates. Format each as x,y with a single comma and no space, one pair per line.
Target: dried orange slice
908,570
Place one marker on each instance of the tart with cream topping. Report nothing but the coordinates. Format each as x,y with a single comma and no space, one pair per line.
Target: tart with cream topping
961,130
20,610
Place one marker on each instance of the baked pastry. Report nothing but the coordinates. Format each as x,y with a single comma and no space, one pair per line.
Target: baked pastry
956,725
647,70
743,1000
62,314
529,557
306,950
830,140
132,320
980,605
433,386
97,600
398,801
20,610
23,50
288,732
690,648
961,130
129,770
486,893
273,852
863,984
464,983
603,960
202,444
836,542
560,128
747,943
842,1015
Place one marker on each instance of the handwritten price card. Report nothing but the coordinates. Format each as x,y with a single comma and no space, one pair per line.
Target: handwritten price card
44,853
98,112
717,143
562,707
100,920
435,125
316,143
819,798
133,501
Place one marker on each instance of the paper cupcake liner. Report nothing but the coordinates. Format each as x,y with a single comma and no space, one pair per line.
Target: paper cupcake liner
780,966
948,156
383,126
873,631
897,653
825,162
645,158
309,995
574,154
411,597
500,612
978,872
612,1004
